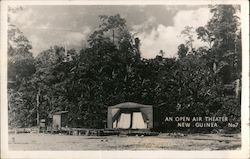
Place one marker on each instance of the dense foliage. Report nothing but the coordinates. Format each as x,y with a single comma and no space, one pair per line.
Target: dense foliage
110,71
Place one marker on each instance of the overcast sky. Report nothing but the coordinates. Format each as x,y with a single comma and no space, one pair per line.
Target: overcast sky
158,27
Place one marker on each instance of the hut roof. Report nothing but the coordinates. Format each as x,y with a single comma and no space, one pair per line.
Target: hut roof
130,105
60,112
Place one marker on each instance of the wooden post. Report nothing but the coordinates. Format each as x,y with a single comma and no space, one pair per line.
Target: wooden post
131,120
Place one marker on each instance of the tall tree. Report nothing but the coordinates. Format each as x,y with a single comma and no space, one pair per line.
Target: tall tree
205,36
182,51
20,69
224,26
188,34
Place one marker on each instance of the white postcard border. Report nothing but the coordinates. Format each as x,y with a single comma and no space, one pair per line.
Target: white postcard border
243,153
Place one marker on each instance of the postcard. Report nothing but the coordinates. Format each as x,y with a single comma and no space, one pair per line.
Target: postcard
125,79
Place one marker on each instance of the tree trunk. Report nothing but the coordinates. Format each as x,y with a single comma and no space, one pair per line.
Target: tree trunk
113,36
214,67
37,107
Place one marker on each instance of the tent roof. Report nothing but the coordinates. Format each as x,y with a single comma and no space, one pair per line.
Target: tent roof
130,105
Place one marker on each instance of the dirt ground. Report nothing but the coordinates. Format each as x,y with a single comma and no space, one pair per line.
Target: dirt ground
29,141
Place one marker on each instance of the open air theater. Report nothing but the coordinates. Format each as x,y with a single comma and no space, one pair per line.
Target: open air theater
130,116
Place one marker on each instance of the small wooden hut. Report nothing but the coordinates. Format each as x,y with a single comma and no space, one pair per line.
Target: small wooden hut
60,119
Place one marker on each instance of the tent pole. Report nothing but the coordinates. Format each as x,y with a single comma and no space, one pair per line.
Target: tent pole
131,121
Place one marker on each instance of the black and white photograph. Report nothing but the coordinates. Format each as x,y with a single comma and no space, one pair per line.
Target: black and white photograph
120,77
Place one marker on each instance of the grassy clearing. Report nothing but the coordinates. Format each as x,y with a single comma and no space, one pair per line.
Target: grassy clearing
162,142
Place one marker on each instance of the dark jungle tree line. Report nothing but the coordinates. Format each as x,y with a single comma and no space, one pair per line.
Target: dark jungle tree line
110,71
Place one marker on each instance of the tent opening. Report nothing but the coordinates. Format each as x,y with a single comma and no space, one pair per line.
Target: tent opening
130,115
128,120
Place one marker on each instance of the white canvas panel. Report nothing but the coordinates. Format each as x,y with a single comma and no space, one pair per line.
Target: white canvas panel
138,122
124,121
115,124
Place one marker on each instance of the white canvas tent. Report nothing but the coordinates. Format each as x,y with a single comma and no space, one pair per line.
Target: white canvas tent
130,116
